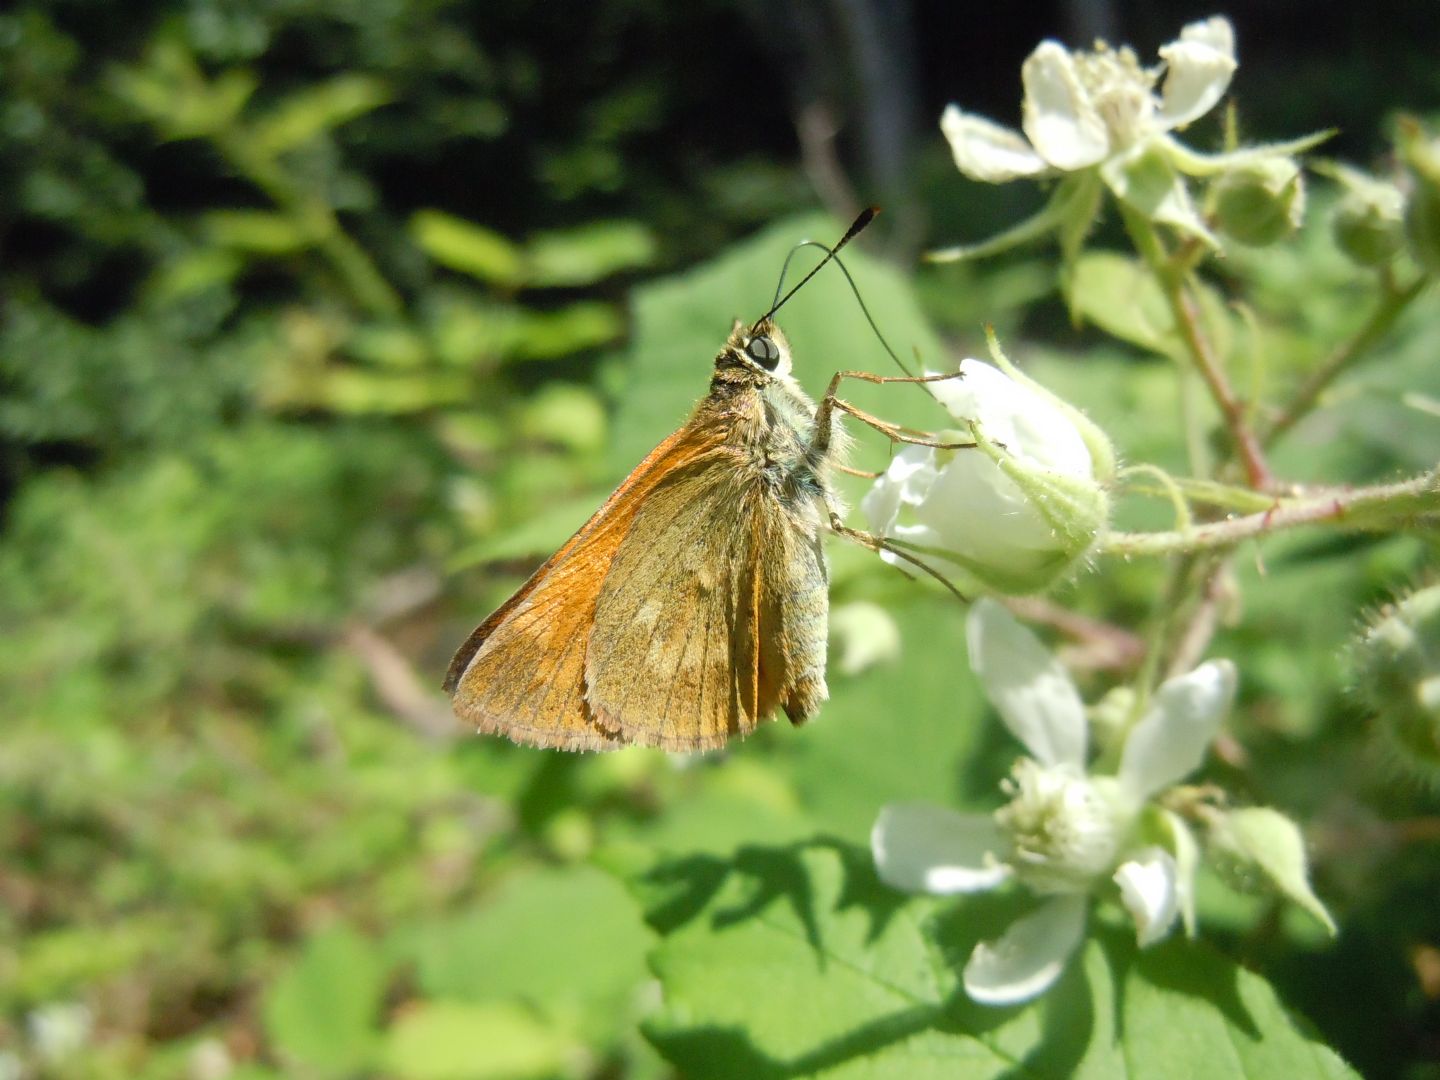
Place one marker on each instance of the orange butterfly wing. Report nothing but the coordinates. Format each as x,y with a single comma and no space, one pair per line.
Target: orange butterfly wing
521,672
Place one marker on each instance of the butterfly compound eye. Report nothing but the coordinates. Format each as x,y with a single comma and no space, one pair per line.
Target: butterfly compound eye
764,352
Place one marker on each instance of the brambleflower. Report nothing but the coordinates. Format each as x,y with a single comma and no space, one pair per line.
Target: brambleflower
1018,510
1100,114
1070,834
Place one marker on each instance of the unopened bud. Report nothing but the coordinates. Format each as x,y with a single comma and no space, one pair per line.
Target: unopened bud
1398,667
1422,211
1369,221
1260,202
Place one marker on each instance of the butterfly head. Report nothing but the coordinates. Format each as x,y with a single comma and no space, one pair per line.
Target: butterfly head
760,351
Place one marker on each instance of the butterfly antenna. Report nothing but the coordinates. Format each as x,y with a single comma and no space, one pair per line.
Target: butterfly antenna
833,253
866,216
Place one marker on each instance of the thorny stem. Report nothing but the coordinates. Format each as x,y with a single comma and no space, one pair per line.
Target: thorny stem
1393,302
1170,272
1379,507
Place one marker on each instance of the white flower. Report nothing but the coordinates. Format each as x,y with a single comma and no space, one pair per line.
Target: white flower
1084,107
1065,833
1101,112
1016,511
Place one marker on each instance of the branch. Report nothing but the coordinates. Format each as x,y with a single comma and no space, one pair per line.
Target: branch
1392,303
1384,506
1170,273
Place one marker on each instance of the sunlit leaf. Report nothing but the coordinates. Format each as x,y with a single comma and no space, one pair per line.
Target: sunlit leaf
308,112
796,961
470,248
545,335
260,231
548,937
1122,297
446,1040
323,1011
589,253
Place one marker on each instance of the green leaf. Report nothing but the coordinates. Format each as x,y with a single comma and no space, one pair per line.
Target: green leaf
446,1040
546,335
554,938
566,415
322,1011
1121,296
171,91
913,730
469,248
260,231
387,393
589,253
306,113
797,962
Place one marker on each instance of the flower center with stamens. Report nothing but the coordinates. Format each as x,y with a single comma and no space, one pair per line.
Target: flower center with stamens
1064,826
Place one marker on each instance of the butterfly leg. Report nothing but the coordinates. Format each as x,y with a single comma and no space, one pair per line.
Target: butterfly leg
896,433
878,544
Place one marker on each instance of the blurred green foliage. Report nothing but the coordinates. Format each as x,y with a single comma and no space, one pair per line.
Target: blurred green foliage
288,399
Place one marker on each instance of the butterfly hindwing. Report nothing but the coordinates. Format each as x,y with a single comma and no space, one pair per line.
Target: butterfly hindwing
695,639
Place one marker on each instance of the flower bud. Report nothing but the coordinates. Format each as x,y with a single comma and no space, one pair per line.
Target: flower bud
1111,719
1016,511
1422,211
1368,224
1258,846
1398,667
1260,202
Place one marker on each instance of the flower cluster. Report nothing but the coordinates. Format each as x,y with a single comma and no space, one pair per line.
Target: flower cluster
1070,833
1101,115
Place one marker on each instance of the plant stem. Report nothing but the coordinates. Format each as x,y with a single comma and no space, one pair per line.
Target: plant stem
1171,273
1384,506
1393,302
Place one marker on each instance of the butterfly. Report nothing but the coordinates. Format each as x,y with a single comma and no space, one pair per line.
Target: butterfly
693,604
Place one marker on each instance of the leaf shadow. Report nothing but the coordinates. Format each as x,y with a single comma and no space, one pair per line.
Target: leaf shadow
743,887
1185,967
767,875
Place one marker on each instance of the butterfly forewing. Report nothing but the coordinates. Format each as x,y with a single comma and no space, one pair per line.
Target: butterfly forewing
521,673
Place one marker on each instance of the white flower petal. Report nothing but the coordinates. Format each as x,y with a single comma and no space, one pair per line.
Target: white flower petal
1200,66
1148,889
1170,741
986,151
923,848
1027,422
1060,119
905,482
891,504
1024,961
1187,861
1031,690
